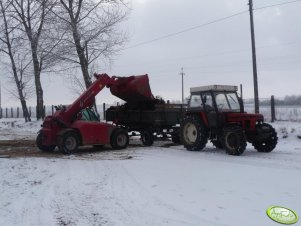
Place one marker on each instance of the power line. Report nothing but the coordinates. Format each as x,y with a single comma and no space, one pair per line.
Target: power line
206,24
187,29
279,4
215,54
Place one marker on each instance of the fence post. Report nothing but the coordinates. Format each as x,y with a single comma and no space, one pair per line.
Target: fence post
104,110
6,112
0,112
52,109
11,112
17,112
273,117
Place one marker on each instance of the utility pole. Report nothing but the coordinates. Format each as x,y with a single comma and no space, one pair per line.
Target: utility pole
182,74
254,58
0,102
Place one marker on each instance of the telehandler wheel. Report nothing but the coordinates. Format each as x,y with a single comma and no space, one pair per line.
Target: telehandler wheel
267,143
68,142
234,141
39,142
194,135
147,137
119,139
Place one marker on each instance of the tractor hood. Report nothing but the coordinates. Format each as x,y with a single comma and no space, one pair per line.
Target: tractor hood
243,116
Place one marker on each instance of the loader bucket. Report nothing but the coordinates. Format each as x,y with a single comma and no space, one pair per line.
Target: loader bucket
132,89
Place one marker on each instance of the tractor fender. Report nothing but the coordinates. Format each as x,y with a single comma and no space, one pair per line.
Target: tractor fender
200,116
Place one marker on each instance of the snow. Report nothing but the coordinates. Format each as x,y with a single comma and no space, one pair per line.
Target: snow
12,129
158,185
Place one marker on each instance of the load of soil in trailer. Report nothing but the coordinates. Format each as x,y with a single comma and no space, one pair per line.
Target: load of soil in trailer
151,117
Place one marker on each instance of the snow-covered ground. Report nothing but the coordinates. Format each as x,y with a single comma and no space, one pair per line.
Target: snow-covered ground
159,185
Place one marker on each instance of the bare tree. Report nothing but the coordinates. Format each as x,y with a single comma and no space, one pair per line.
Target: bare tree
36,23
92,31
11,47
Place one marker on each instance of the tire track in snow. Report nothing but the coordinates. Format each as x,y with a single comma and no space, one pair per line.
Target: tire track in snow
275,159
150,210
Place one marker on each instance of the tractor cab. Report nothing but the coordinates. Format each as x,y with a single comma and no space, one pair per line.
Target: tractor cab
216,102
218,98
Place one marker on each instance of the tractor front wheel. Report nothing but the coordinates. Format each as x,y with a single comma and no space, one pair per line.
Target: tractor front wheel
234,141
267,138
68,142
194,135
39,142
119,139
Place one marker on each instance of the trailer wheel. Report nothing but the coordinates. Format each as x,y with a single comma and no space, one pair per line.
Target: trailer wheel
194,134
234,141
147,137
39,143
119,139
68,142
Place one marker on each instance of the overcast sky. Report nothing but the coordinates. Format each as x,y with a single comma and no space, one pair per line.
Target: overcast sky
219,53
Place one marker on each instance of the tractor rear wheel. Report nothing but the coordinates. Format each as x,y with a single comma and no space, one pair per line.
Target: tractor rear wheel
234,141
194,135
39,142
267,139
147,137
119,139
68,142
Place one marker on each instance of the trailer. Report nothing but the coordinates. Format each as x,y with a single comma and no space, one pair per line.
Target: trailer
158,121
151,117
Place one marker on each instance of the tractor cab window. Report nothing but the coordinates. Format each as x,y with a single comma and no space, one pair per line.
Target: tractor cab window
207,101
195,101
233,102
227,102
221,102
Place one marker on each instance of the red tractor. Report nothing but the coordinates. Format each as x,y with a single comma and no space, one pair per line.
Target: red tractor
76,125
216,113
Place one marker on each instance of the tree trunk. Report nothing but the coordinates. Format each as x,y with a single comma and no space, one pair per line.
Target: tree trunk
18,81
81,56
25,111
19,86
37,77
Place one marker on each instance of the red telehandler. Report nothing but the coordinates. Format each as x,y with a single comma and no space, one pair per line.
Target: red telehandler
67,130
